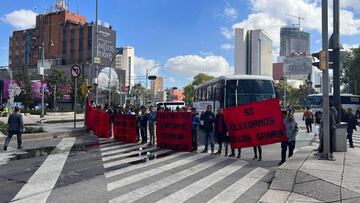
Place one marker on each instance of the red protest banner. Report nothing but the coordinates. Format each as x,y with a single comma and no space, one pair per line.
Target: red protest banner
101,124
125,128
173,130
255,124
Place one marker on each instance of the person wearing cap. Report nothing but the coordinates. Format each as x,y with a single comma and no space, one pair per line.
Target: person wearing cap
16,127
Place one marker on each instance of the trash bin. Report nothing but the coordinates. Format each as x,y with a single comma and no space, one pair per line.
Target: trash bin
340,141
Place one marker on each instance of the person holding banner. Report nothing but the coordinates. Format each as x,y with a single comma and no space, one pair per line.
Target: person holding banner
143,124
152,120
221,131
291,128
208,118
195,126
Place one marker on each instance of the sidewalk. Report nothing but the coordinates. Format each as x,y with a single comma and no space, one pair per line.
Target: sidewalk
304,178
35,119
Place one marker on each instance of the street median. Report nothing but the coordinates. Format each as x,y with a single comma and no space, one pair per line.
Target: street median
49,135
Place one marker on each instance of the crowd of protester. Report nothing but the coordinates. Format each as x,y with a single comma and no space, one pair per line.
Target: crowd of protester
214,126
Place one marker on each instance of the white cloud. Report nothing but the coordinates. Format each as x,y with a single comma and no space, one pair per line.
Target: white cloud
227,46
20,19
227,33
141,64
190,65
350,46
352,4
172,79
230,13
270,16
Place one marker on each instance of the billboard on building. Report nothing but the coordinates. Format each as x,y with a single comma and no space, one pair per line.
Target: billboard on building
297,67
106,46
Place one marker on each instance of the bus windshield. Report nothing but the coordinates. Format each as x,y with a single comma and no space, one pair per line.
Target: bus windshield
314,101
247,91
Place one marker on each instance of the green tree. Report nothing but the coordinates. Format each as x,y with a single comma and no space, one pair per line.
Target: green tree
23,80
189,89
139,92
56,82
81,95
352,69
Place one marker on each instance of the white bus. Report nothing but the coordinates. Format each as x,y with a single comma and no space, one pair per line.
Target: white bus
172,105
234,90
314,101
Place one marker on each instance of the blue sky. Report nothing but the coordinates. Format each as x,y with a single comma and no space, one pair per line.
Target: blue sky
186,36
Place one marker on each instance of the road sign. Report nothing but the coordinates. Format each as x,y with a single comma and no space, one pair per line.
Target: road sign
75,71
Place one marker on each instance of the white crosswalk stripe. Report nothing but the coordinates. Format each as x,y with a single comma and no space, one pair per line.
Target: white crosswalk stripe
148,189
201,172
234,191
123,146
356,140
128,180
117,156
132,159
198,186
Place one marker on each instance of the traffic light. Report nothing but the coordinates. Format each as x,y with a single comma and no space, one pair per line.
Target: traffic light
322,58
152,77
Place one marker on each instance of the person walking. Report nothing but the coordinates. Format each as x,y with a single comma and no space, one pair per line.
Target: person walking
291,129
16,127
152,120
221,131
195,126
143,124
308,117
208,118
352,122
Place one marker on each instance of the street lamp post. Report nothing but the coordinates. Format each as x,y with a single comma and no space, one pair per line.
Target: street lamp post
42,82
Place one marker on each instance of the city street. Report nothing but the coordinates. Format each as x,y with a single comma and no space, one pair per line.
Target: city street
88,169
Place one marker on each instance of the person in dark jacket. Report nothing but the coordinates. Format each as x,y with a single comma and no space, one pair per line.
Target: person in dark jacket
195,126
352,122
221,131
208,118
143,124
16,126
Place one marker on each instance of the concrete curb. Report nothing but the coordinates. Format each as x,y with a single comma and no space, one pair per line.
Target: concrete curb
284,180
49,135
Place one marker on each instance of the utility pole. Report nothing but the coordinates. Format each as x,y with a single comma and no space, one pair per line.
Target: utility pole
325,98
336,58
96,67
43,81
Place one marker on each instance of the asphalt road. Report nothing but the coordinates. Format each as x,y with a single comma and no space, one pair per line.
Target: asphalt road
87,169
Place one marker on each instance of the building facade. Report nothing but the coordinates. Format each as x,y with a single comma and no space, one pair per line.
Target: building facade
253,52
157,85
294,41
295,53
65,38
125,60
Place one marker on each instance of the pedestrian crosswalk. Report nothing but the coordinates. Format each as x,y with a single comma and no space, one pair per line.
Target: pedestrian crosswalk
141,173
355,137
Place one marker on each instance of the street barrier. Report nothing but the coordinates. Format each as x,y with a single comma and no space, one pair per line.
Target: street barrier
125,128
173,130
255,124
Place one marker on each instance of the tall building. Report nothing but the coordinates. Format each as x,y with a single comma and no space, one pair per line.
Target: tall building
253,52
157,85
125,60
293,41
295,53
65,38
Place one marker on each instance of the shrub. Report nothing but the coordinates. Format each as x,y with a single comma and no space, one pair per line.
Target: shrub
28,130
